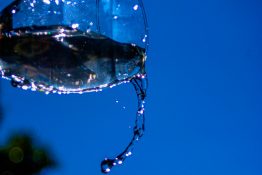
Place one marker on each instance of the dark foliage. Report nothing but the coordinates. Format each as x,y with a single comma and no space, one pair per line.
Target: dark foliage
20,157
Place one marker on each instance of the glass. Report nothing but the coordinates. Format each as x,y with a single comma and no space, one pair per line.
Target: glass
76,46
72,46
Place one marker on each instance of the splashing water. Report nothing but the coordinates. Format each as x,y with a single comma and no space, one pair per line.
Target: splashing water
65,60
28,59
67,56
140,85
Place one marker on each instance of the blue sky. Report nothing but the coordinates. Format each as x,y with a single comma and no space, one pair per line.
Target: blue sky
204,104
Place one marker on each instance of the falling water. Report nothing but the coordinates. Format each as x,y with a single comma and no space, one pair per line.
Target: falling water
140,85
60,59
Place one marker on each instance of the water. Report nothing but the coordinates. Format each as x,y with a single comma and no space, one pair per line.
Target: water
65,60
60,59
76,46
140,85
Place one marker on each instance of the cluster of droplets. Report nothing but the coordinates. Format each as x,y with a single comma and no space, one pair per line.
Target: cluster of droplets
25,84
140,85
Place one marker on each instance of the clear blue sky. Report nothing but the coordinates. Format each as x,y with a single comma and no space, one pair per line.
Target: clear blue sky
204,104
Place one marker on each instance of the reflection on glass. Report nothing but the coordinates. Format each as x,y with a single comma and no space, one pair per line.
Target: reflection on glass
76,46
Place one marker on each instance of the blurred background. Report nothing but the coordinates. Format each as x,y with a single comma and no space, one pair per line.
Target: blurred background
203,110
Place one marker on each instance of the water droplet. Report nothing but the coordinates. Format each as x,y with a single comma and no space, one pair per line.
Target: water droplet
135,7
106,165
14,83
57,2
47,1
74,26
128,154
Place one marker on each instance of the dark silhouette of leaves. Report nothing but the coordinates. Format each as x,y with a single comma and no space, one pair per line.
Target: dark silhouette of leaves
20,157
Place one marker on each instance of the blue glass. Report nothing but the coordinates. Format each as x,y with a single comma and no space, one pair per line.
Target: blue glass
121,20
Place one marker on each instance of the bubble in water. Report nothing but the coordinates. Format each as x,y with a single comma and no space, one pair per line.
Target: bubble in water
76,46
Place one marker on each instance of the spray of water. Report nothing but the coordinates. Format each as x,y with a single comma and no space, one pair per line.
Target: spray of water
140,86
